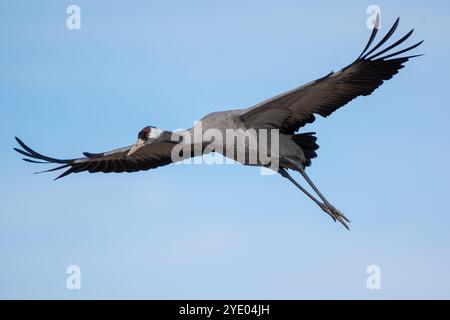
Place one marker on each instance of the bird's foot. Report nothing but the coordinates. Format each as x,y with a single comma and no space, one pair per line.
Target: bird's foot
340,217
335,214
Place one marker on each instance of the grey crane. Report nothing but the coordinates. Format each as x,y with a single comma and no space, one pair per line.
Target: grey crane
287,113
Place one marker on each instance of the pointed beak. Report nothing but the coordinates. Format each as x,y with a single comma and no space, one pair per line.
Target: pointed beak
139,144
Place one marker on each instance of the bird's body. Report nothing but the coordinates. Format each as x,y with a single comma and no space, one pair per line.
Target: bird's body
279,118
228,123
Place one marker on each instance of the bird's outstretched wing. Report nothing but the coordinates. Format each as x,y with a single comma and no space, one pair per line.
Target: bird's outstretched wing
293,109
150,156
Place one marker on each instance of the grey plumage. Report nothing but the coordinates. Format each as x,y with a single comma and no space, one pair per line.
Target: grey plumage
287,112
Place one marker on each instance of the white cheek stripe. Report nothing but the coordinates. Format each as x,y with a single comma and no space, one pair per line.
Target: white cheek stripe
155,133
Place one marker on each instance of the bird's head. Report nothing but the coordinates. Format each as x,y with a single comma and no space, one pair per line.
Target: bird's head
146,134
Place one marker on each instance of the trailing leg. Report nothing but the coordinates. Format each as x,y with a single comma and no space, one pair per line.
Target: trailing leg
323,206
335,212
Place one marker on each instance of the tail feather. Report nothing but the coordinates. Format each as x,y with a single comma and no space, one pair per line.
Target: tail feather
307,141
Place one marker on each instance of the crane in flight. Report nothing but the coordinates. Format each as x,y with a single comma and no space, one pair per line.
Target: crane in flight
286,113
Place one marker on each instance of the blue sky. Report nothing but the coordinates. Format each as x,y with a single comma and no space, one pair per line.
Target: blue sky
219,231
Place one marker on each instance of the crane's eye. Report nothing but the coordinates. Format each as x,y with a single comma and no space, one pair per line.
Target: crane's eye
144,134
